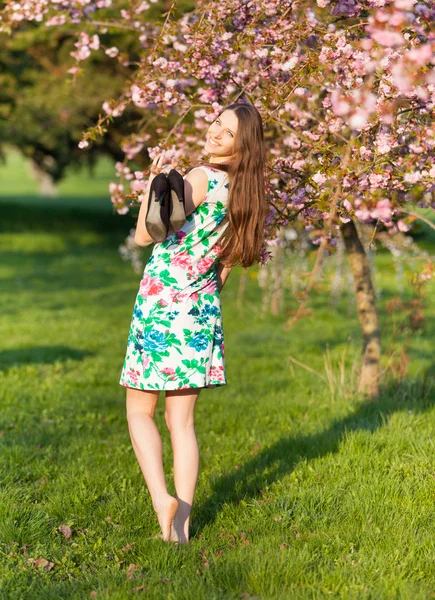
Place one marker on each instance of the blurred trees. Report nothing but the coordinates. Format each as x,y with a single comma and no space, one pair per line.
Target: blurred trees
44,114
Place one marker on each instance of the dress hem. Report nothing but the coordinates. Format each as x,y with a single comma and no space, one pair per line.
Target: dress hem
171,389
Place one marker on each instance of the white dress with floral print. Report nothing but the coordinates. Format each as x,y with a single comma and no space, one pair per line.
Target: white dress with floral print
176,338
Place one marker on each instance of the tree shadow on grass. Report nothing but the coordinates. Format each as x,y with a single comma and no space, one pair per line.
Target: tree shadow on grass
281,458
42,355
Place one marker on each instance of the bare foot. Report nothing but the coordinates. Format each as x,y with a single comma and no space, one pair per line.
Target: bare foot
166,516
173,536
178,530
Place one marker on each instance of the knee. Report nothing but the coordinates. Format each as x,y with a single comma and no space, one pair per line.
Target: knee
135,413
176,425
140,404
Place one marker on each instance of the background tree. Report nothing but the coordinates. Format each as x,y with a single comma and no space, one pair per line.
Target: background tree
44,113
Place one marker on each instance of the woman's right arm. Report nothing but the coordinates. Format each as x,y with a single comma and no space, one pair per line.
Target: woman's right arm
195,189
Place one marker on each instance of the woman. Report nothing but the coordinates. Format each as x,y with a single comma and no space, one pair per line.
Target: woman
176,340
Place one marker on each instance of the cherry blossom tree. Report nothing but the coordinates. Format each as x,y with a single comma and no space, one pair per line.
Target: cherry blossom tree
346,90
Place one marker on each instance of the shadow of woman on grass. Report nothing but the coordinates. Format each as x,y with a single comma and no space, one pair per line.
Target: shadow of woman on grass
281,458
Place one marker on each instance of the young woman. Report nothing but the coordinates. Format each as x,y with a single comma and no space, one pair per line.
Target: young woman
176,340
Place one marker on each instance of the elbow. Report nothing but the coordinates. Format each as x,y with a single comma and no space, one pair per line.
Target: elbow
141,242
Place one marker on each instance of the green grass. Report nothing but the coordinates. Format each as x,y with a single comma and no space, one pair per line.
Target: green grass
300,494
82,188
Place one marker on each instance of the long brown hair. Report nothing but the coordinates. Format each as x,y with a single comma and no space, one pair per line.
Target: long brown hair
243,237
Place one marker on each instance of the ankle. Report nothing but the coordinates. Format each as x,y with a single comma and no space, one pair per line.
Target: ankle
161,501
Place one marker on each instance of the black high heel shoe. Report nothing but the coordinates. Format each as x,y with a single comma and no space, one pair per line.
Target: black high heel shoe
177,211
157,217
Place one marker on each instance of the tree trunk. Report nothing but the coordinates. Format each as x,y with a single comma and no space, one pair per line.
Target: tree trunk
46,185
277,265
370,367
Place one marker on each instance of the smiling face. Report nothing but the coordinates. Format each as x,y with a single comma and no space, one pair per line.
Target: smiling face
221,135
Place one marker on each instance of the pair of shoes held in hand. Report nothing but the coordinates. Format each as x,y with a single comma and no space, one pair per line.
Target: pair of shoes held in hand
166,208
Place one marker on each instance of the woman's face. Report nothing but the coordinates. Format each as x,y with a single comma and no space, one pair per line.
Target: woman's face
221,135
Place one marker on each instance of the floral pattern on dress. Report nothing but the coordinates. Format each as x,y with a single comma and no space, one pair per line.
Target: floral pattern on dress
176,337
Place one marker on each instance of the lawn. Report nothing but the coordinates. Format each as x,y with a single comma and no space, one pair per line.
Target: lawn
301,494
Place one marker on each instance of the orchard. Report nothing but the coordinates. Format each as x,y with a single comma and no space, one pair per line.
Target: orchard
346,90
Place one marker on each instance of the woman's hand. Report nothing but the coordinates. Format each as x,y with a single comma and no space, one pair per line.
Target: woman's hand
157,165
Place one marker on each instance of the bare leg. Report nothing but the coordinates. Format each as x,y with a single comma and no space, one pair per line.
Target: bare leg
147,445
180,408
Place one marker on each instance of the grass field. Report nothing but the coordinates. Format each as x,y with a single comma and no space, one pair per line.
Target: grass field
300,495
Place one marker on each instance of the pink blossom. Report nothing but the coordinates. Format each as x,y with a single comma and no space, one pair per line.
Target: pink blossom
262,52
112,52
161,63
82,53
421,55
402,78
138,186
363,215
340,105
387,38
412,177
319,178
383,143
298,164
299,91
141,7
382,211
94,44
358,119
289,64
376,179
56,20
404,4
115,187
365,152
403,226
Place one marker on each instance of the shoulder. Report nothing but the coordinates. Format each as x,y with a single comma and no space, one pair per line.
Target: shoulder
197,174
208,172
195,188
197,183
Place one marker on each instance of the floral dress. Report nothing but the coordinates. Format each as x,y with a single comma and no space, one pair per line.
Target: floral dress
176,337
